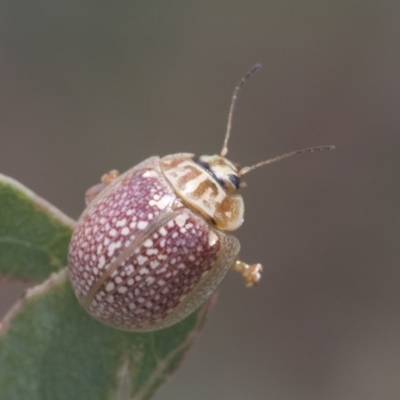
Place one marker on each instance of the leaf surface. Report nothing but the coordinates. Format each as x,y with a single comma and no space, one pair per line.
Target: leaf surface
34,235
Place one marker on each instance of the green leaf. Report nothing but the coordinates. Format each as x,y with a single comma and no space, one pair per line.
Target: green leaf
34,235
50,349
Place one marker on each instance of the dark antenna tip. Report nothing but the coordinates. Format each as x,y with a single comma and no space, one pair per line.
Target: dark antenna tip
255,68
246,170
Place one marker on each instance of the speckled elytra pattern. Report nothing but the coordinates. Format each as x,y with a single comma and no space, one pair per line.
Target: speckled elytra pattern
158,274
136,257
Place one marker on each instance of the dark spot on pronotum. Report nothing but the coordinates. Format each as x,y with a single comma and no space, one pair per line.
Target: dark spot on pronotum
235,180
208,168
204,164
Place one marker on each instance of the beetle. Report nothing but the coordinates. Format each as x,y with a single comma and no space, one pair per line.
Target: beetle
153,243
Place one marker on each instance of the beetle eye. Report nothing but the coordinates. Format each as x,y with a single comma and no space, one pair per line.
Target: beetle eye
235,180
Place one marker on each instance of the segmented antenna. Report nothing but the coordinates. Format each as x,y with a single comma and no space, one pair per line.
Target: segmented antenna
255,68
245,170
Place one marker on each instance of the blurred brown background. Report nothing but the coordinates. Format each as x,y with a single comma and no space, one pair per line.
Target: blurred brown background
91,86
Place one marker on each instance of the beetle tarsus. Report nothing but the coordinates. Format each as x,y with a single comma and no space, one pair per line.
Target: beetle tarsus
250,272
110,177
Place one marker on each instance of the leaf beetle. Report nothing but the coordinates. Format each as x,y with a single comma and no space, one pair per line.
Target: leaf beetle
153,243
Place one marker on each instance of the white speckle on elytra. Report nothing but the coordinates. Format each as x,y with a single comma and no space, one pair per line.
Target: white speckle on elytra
148,304
110,286
112,233
132,225
161,270
130,282
148,243
121,222
150,280
132,306
142,260
143,271
118,280
163,231
112,247
150,173
101,263
142,224
181,220
99,248
125,231
162,203
150,252
154,264
122,289
110,298
129,269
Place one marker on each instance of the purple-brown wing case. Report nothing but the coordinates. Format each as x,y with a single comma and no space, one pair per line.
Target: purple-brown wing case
139,259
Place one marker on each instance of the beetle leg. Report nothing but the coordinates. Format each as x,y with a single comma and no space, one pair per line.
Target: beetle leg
110,177
106,179
251,272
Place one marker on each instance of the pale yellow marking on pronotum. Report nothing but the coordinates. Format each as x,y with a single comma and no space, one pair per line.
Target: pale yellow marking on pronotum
200,190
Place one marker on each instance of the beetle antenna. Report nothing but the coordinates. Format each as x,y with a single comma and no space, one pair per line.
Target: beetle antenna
245,170
255,68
